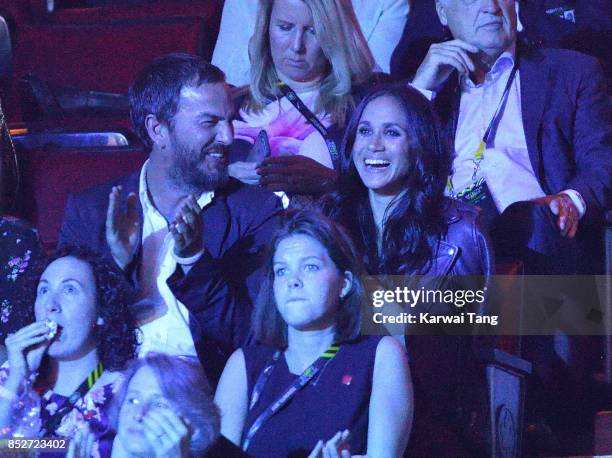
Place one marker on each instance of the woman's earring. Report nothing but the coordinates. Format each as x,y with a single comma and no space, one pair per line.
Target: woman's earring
100,321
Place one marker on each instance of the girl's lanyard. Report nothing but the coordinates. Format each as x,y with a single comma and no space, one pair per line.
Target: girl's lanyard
487,139
288,394
52,423
311,118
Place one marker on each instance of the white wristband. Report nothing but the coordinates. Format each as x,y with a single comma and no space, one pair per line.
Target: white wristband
577,200
190,260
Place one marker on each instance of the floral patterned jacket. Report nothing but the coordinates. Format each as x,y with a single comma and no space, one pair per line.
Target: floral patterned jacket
21,260
92,409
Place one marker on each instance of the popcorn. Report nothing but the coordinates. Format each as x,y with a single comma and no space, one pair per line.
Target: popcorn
52,326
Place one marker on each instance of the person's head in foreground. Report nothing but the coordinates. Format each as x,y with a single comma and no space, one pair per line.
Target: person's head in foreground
165,409
181,109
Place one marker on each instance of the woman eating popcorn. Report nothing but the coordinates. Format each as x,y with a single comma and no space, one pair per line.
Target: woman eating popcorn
62,369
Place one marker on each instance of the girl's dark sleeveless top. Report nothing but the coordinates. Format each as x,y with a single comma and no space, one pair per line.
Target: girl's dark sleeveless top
338,398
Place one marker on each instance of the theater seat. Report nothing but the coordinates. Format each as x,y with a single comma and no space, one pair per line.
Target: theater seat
99,56
49,176
208,10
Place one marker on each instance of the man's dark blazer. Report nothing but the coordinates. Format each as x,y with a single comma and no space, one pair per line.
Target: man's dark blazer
220,288
566,119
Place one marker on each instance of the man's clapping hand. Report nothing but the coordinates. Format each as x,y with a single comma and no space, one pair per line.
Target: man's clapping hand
122,227
187,228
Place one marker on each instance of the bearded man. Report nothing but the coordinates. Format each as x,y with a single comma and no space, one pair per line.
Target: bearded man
188,237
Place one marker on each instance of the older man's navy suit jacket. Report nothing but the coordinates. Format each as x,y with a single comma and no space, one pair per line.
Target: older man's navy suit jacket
567,123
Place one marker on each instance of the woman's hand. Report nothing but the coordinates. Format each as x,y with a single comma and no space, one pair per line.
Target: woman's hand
82,444
168,434
336,447
244,171
296,175
25,350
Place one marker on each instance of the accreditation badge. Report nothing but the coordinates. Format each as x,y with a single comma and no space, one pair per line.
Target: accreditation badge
565,12
478,194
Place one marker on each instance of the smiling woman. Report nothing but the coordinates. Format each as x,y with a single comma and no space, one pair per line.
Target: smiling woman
273,397
61,369
392,196
392,203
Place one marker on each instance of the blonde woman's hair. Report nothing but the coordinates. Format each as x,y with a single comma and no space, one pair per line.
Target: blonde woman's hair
343,44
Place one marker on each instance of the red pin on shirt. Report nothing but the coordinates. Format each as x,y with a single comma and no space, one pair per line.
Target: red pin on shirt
347,379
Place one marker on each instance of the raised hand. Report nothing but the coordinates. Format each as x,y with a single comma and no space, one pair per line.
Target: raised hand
25,350
82,444
187,228
441,60
296,174
122,227
167,433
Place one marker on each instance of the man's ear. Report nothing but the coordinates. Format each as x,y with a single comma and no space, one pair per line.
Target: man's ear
441,10
157,130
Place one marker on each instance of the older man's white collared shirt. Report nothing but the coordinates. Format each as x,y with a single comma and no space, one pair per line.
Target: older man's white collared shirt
505,165
169,331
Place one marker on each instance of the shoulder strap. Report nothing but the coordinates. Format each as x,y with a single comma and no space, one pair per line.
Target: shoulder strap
311,118
288,394
54,421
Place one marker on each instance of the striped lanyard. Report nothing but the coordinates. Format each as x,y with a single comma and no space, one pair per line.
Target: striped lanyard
288,394
487,138
311,118
52,423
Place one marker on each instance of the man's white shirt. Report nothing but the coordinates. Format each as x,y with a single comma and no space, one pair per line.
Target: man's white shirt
506,161
168,333
505,166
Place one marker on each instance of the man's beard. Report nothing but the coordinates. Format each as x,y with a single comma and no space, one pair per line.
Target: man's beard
187,172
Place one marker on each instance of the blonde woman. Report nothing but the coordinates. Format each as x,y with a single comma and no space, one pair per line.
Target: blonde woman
308,57
381,21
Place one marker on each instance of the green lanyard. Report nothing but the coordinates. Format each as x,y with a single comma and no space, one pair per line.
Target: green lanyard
283,399
487,138
52,423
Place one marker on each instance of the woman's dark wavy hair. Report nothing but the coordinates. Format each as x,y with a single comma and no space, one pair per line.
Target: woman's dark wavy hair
268,324
415,223
117,337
